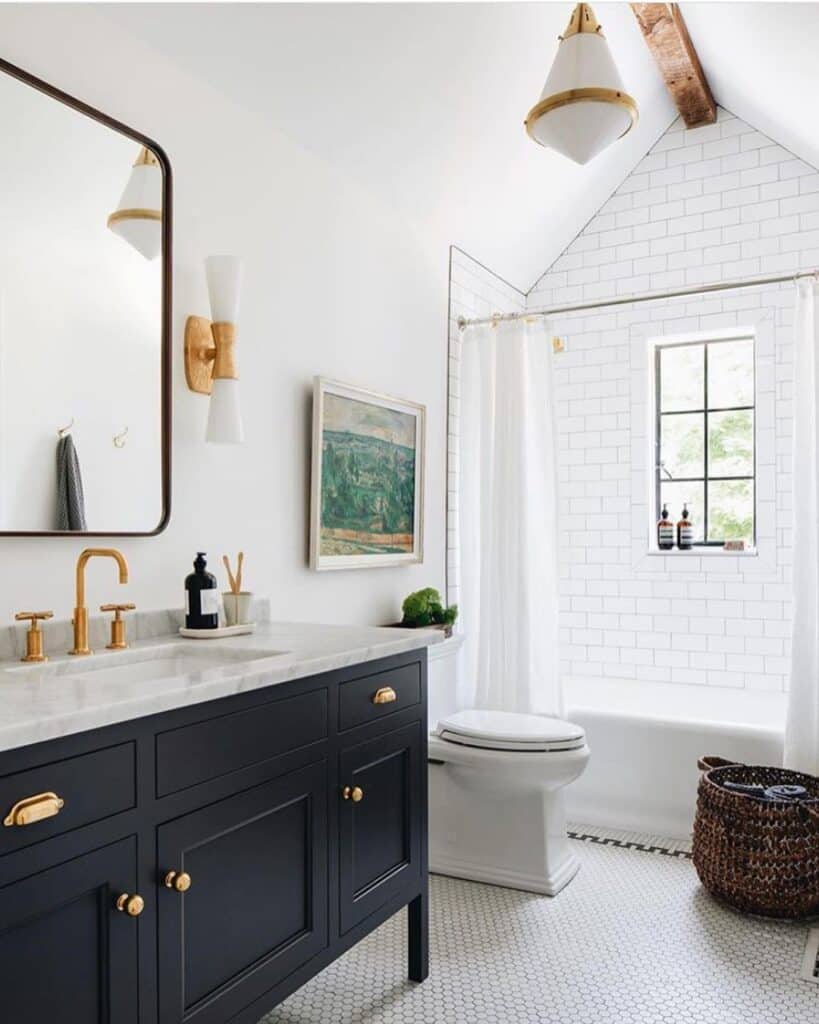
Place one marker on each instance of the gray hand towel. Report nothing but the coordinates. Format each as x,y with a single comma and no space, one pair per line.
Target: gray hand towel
70,498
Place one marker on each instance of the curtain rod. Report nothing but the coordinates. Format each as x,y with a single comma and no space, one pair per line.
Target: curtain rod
647,297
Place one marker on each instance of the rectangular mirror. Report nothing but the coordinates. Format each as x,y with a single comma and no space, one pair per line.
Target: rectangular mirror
85,256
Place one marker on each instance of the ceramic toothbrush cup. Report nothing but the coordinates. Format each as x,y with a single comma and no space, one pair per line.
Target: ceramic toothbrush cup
237,608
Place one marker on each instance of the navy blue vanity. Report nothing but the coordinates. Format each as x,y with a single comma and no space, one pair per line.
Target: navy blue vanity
201,864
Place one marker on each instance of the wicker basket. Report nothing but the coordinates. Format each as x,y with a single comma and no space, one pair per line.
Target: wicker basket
756,854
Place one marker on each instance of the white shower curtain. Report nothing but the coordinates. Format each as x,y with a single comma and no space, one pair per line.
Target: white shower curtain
802,731
508,519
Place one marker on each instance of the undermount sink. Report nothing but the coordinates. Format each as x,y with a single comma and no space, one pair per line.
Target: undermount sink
151,664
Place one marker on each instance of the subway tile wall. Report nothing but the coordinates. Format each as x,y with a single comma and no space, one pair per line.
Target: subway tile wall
717,203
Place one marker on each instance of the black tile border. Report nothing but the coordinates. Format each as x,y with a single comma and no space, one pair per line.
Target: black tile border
624,844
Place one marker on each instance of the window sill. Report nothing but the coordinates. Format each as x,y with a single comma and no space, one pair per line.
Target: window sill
703,552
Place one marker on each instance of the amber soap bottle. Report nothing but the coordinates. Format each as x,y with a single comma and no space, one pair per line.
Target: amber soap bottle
685,531
665,531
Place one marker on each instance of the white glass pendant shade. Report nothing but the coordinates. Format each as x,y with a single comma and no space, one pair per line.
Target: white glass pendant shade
138,216
224,416
224,275
583,107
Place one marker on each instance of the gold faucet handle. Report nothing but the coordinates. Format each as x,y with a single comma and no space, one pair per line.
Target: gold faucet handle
34,635
118,641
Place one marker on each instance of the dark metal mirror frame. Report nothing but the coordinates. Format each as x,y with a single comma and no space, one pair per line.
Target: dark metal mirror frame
165,359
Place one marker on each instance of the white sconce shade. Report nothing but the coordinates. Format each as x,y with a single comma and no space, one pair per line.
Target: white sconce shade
224,275
583,108
224,416
138,216
210,351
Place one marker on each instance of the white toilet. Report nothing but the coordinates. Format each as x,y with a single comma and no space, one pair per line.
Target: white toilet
495,798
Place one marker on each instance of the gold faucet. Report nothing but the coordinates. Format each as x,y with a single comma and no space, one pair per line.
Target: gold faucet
80,611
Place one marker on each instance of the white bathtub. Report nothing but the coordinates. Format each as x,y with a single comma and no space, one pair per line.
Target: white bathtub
645,739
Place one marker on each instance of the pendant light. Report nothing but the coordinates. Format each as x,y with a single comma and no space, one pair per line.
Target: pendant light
138,216
582,108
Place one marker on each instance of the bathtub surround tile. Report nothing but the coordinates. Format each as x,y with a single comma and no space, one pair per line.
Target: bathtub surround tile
724,202
634,939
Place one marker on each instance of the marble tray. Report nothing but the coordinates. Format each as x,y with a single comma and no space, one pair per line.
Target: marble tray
217,634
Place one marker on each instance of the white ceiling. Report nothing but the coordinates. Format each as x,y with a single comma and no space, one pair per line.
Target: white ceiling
424,103
762,62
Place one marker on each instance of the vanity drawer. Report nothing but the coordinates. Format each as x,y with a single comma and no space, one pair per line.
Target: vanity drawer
373,697
207,750
71,793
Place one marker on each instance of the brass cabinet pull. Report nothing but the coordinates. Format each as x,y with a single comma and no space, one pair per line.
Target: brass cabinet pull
130,905
34,808
179,880
354,793
386,695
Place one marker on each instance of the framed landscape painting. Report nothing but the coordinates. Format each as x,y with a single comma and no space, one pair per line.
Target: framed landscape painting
368,479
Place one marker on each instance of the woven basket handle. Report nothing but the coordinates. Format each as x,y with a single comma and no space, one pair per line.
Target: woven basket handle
705,764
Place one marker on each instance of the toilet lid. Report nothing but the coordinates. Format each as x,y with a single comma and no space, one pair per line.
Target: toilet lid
510,730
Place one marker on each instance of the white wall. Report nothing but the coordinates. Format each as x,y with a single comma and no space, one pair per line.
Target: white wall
717,203
336,283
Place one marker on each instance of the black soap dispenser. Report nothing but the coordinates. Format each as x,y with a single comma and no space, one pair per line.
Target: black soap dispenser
201,597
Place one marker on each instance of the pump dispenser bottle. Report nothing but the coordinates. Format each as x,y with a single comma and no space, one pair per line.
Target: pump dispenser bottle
665,531
685,531
201,597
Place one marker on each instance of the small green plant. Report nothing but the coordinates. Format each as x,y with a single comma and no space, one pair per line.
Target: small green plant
425,608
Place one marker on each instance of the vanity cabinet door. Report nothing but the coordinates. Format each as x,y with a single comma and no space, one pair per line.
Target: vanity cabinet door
380,821
256,908
66,952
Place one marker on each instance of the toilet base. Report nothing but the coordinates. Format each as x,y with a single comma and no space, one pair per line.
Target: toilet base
444,864
501,836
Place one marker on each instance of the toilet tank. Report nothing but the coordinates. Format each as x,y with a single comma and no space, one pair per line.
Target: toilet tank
445,678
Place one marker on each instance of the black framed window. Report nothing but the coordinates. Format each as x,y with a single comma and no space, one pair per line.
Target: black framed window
704,440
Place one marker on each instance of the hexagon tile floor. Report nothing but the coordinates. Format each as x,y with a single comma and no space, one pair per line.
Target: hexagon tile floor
632,940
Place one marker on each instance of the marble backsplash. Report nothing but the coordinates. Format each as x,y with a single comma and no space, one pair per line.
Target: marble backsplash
141,625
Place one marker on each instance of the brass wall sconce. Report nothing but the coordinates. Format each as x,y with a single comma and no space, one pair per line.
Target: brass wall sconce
210,358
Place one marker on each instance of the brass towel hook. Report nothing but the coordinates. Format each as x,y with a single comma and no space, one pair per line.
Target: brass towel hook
65,430
119,439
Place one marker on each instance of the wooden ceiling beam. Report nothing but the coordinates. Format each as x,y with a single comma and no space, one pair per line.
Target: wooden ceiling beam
667,37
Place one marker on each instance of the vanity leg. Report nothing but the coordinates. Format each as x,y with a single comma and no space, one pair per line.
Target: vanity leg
418,922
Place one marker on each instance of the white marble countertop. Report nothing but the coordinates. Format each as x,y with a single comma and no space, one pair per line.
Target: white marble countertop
42,702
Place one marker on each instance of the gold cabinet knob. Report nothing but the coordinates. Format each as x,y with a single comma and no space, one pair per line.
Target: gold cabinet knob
179,880
130,905
386,695
354,793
